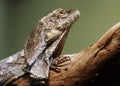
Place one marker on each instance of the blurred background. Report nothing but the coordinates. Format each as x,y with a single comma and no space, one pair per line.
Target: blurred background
18,18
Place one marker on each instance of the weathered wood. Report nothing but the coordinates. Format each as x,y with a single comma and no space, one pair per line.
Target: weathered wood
84,64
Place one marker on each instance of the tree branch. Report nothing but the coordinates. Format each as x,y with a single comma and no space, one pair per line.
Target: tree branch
84,64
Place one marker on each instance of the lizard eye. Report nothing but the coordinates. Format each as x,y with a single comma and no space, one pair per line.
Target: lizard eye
61,12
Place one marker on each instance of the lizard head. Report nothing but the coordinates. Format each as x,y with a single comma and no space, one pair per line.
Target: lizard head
60,19
66,17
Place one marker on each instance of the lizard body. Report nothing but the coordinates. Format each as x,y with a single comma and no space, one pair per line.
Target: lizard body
44,44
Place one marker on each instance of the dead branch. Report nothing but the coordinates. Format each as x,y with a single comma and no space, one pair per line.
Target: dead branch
84,64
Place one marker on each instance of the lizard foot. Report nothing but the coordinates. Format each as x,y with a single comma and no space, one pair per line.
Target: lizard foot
59,62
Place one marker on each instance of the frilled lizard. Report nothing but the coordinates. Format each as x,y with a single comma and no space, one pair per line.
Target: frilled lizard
41,48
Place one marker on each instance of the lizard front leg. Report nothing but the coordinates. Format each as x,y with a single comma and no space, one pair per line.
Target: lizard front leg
59,62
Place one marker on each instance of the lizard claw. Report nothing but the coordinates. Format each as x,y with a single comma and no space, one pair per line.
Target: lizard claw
59,62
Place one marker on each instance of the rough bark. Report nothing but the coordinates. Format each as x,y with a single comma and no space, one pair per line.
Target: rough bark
84,64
